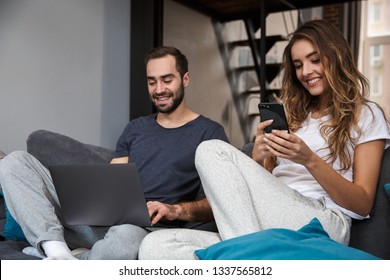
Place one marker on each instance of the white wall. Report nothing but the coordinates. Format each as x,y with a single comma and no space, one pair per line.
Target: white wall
64,67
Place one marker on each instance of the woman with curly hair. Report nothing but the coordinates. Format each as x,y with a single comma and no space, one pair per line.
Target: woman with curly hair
327,167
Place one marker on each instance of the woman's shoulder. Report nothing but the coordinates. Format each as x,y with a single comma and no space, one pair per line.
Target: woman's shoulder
371,110
371,105
372,122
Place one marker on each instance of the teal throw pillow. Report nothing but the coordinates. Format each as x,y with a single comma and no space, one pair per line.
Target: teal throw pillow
311,242
12,229
387,189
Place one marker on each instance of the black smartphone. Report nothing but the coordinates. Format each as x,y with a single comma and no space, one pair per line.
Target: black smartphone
274,111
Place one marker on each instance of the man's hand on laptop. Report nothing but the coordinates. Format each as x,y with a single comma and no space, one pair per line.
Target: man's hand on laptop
187,211
158,210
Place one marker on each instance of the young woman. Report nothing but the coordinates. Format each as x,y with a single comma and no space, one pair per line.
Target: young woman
327,167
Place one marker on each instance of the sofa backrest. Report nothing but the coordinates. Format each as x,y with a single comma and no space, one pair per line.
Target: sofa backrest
373,235
52,148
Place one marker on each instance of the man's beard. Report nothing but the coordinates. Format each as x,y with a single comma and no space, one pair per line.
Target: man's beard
173,106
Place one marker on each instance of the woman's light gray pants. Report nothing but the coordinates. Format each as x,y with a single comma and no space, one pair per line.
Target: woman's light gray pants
245,198
33,202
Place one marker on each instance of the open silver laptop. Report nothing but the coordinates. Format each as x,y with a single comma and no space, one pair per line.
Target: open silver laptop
100,194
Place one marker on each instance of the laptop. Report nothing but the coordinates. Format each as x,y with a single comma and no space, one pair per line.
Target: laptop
100,194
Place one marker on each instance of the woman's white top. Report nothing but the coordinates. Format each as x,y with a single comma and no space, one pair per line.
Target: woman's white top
373,127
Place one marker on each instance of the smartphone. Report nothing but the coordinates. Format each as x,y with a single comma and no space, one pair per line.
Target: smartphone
274,111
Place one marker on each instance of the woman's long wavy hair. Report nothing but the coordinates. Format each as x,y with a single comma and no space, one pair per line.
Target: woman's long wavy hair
349,89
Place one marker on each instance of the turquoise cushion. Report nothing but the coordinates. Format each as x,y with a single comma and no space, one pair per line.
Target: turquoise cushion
387,189
311,242
12,229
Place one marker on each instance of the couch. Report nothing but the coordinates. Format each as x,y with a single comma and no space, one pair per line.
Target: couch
51,149
372,235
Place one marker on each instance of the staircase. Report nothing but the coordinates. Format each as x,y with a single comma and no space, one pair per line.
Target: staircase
243,68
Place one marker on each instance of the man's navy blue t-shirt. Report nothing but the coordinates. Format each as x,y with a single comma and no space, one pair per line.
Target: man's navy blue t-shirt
165,156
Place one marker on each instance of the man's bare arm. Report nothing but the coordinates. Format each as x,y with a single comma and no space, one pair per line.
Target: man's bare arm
199,210
120,160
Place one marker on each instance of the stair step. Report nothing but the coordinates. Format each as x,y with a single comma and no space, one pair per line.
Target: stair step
268,66
272,70
251,104
268,92
253,99
269,42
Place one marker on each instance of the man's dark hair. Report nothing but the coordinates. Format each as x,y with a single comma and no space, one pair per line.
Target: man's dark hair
159,52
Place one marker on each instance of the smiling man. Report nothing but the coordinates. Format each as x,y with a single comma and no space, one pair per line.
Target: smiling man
166,83
161,145
164,143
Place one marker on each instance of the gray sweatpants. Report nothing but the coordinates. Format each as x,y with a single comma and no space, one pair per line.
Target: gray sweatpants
31,198
245,198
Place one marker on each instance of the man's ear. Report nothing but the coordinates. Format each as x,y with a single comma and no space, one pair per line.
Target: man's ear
186,79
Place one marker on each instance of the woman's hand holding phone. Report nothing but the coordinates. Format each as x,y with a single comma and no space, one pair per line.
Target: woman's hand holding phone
276,140
260,151
289,146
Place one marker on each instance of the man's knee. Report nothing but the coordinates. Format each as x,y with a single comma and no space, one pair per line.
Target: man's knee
121,242
12,161
131,233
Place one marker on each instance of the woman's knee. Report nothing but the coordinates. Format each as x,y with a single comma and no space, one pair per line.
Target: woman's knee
208,149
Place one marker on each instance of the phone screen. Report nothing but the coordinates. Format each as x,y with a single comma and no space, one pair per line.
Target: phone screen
274,111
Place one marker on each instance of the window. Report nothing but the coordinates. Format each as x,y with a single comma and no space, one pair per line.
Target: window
376,56
374,12
376,85
375,46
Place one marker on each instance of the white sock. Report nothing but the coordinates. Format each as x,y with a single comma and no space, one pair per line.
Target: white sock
31,251
57,250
